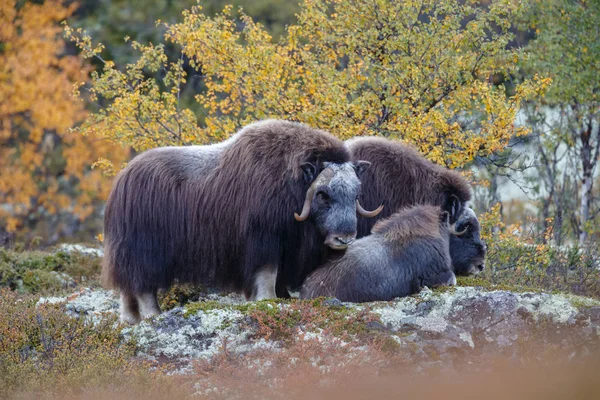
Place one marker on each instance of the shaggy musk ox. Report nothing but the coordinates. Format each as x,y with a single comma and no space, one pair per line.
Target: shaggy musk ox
403,254
224,215
467,250
401,177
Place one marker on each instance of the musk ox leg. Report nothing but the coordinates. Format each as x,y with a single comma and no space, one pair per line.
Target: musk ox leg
130,311
148,304
264,283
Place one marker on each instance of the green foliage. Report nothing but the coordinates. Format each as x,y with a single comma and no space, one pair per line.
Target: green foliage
42,272
110,21
565,120
566,48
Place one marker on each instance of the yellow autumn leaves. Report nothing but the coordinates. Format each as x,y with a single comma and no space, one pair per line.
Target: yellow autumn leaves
407,70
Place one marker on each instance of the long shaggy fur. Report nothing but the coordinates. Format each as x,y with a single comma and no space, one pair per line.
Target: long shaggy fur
405,252
175,213
399,177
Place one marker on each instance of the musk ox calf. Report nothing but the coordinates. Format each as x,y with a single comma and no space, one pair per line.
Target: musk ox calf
399,177
224,215
403,254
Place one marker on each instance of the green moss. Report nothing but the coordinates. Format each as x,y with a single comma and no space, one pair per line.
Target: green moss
581,302
279,318
389,345
43,272
444,289
488,285
179,296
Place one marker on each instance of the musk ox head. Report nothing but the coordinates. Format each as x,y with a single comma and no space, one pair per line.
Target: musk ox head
467,250
331,201
438,273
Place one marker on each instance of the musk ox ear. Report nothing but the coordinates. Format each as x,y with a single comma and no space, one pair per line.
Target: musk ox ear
310,171
361,166
444,217
454,207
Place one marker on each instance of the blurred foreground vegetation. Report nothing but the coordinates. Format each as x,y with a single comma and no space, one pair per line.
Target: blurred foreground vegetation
44,351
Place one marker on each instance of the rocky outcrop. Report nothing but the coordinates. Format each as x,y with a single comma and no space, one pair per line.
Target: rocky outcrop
457,325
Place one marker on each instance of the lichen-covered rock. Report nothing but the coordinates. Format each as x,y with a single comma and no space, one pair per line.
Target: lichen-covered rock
176,338
431,329
473,321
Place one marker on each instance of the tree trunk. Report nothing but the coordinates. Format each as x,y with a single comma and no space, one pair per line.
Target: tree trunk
587,165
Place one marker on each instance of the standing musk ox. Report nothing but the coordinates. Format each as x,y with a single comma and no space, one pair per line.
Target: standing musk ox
401,177
224,214
403,254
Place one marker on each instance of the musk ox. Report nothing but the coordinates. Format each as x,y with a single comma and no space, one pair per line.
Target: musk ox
399,177
403,254
224,215
467,250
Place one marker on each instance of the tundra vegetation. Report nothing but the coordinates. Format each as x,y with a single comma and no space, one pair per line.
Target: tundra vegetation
449,78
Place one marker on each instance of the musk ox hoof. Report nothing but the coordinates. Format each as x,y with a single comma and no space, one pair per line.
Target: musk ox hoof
129,318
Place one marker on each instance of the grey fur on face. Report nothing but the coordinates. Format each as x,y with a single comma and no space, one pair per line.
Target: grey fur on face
333,206
467,249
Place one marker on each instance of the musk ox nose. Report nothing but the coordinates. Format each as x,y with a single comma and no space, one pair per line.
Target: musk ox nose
340,242
480,267
345,239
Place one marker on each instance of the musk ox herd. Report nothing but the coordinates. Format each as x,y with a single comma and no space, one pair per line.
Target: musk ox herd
282,207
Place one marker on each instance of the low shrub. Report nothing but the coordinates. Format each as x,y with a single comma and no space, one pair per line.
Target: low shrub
522,258
44,272
44,350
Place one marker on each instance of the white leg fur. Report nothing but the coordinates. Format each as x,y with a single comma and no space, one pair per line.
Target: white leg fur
264,283
148,304
130,313
452,281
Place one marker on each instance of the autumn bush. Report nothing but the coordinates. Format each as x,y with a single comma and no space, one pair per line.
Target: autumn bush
419,71
522,257
47,184
43,349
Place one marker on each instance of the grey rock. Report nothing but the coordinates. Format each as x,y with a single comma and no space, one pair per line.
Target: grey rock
434,329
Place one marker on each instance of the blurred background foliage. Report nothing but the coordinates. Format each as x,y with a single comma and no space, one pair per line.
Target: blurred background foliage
505,90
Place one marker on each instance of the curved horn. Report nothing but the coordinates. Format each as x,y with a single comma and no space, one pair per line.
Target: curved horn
456,233
468,215
306,207
368,214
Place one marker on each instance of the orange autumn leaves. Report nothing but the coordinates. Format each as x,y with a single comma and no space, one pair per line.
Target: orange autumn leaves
45,166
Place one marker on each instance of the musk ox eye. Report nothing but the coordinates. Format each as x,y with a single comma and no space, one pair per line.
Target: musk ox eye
323,197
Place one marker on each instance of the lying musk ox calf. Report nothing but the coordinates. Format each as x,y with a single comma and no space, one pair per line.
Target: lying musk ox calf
403,254
399,177
224,215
